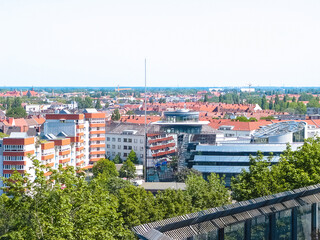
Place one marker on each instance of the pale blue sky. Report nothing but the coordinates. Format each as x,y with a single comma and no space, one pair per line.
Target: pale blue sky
186,43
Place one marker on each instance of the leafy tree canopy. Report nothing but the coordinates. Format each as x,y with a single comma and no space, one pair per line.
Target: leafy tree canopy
106,167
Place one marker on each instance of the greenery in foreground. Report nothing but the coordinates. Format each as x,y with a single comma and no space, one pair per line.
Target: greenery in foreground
66,206
295,169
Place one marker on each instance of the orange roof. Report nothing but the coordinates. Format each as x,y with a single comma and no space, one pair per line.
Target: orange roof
238,126
139,119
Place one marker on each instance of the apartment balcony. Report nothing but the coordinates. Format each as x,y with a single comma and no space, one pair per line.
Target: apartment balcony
169,145
46,157
64,160
65,152
161,140
164,153
101,152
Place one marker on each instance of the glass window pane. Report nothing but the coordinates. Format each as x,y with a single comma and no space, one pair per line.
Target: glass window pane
283,225
260,228
234,232
304,222
207,236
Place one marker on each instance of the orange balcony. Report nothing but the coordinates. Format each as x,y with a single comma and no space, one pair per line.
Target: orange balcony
47,174
79,148
97,139
97,152
87,167
98,132
97,125
162,146
80,156
64,160
80,163
46,157
80,126
80,134
160,140
65,152
163,153
95,159
97,145
50,164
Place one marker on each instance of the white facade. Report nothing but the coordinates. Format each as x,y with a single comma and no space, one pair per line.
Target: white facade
123,143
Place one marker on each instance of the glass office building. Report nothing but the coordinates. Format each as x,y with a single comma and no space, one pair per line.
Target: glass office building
284,216
228,159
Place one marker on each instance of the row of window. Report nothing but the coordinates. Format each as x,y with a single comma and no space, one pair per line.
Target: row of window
125,147
17,167
113,154
13,147
13,158
124,140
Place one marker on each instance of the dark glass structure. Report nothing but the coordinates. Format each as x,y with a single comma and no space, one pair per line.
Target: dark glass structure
284,216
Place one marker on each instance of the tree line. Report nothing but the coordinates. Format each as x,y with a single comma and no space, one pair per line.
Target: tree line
67,206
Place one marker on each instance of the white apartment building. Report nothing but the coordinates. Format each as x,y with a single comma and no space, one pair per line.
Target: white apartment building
123,138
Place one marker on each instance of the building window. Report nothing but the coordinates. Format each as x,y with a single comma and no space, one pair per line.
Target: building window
129,140
141,155
141,148
125,147
135,140
113,139
108,139
141,140
125,154
108,145
135,148
119,146
113,146
119,139
130,147
125,140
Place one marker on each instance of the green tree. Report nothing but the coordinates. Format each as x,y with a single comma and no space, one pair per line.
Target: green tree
264,103
294,99
98,104
128,170
182,175
173,203
133,157
137,206
17,112
115,115
117,159
295,169
64,206
106,167
206,98
256,182
313,103
207,194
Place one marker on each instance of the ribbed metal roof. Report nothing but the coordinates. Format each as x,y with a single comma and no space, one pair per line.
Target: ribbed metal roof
188,225
206,158
279,128
246,147
220,169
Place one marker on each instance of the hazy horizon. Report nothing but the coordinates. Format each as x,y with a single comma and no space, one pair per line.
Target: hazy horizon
186,43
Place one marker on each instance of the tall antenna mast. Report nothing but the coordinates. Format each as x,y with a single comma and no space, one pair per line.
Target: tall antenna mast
145,120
